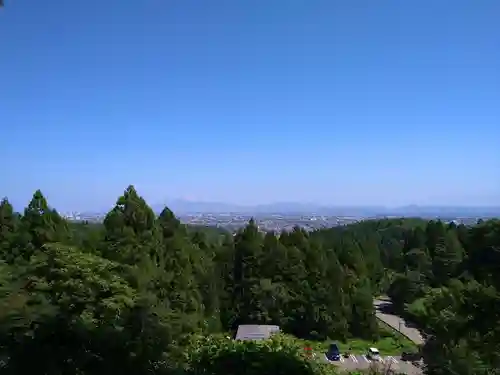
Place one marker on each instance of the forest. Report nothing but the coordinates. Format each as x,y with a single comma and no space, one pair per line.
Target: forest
143,293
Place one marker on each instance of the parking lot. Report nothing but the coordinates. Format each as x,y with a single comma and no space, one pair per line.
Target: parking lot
359,362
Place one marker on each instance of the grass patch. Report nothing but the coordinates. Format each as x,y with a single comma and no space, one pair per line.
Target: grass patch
390,343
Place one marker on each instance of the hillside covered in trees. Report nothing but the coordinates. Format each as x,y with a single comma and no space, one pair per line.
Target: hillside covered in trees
129,295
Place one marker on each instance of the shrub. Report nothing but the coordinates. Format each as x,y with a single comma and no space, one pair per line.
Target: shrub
276,356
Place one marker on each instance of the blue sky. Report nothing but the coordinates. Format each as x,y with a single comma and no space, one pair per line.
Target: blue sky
251,101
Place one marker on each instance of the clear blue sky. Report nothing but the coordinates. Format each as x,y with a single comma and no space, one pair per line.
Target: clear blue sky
251,101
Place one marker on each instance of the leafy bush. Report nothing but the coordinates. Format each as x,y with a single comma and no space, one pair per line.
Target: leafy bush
276,356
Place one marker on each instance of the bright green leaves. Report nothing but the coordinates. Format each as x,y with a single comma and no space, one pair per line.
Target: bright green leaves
63,294
277,356
80,284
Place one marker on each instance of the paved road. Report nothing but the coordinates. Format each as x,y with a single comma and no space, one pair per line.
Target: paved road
394,363
396,322
362,362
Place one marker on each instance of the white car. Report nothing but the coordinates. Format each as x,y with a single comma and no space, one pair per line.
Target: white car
374,355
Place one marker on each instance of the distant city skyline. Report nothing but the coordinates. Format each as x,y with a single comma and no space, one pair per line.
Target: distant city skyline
182,206
391,103
82,203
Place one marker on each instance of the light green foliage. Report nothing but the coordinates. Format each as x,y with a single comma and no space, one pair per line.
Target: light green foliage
78,283
62,291
279,355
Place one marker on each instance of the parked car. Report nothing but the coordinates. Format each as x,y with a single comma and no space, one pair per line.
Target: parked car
411,357
374,355
333,353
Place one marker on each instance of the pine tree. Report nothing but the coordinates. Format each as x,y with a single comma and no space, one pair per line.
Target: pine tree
322,307
224,262
40,225
181,263
338,303
435,233
295,278
363,322
448,255
9,223
131,234
246,273
208,278
272,293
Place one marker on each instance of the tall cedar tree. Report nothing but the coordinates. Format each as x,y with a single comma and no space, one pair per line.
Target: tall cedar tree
180,261
9,222
131,235
40,225
247,262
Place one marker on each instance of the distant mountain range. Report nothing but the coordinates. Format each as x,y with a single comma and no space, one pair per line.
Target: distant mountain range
180,206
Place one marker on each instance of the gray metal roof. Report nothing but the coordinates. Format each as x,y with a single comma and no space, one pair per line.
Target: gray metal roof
255,332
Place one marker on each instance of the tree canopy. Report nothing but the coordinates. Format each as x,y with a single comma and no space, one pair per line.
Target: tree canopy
130,294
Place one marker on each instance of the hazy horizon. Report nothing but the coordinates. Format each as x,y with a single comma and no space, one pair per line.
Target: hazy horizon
386,104
192,206
19,204
186,205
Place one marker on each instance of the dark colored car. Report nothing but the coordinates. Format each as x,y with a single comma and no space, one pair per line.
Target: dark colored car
410,357
333,353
